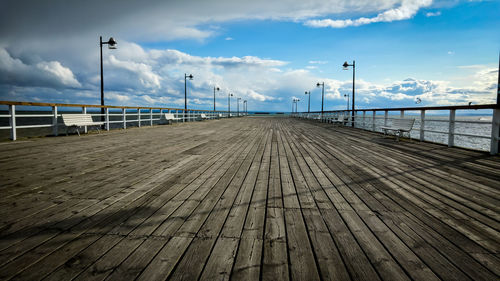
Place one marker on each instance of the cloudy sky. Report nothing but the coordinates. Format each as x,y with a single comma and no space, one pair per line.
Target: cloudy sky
267,52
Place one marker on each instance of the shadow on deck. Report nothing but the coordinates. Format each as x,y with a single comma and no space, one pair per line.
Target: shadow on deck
249,198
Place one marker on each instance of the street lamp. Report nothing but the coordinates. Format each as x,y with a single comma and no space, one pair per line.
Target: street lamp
190,76
322,96
346,66
245,107
294,102
218,89
308,102
229,95
347,95
111,45
238,106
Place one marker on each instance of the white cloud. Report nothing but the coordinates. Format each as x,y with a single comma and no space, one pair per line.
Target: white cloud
154,77
119,98
44,73
142,71
406,10
433,14
158,20
229,38
259,97
318,62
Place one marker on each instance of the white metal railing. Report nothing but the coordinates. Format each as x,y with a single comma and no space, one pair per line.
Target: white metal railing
425,124
122,115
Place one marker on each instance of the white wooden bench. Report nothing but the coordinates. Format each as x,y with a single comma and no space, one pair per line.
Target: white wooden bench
400,126
79,120
171,117
205,117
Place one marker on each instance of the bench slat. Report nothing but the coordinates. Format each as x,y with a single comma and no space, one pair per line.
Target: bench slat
79,120
171,116
400,125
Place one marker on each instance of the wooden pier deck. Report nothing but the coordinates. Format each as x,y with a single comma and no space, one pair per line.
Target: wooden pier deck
246,199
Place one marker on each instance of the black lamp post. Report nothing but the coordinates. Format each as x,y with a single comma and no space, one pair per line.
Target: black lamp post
238,106
215,88
346,66
229,95
294,103
111,45
308,101
322,96
190,76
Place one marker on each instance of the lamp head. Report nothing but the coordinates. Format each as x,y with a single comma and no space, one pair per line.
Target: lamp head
318,84
190,76
111,43
345,65
218,89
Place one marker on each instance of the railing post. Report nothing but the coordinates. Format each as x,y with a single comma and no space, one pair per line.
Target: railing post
150,117
364,116
402,114
451,129
495,131
124,117
422,125
84,111
139,116
373,120
12,121
107,118
54,120
386,115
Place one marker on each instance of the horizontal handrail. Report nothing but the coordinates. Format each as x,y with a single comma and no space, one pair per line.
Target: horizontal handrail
109,114
96,106
360,119
417,108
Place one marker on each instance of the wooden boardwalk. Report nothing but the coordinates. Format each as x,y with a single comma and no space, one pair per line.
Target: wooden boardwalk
247,199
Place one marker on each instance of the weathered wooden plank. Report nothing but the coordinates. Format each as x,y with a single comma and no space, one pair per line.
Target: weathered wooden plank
275,262
302,262
79,262
164,262
107,263
247,199
248,260
220,263
330,263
